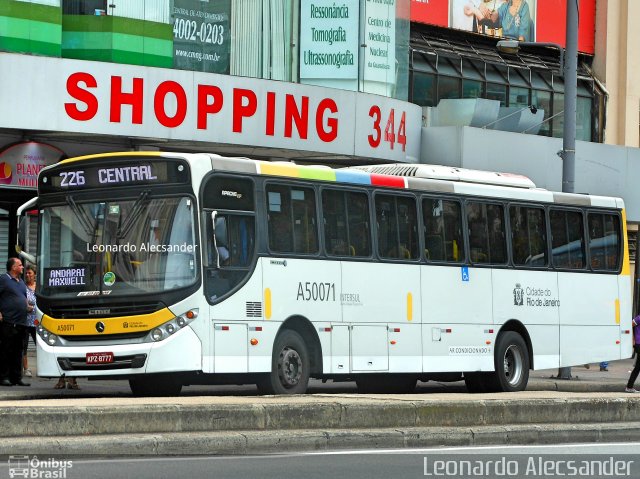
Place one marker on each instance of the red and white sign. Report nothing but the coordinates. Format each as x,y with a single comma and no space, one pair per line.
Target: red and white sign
127,100
21,162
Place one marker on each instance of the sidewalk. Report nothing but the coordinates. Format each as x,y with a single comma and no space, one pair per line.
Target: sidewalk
583,379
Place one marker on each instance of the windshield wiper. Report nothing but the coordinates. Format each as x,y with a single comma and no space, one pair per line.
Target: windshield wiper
136,211
83,218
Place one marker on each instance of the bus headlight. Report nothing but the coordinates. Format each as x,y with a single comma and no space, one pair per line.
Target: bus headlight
156,334
48,337
172,326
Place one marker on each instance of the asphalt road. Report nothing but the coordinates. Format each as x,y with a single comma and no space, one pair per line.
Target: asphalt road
517,461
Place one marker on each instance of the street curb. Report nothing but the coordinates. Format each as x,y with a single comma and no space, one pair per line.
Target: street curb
576,386
321,414
265,442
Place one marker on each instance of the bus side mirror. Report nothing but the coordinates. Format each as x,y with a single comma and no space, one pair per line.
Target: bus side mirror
27,222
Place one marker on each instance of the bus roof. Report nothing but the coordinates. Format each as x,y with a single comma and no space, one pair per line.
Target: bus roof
436,178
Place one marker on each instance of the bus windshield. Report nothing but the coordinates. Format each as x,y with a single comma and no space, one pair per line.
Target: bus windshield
118,247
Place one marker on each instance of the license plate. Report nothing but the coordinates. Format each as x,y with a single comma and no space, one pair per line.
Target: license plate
99,358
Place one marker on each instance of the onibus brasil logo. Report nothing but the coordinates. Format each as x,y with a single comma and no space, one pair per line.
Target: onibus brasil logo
33,467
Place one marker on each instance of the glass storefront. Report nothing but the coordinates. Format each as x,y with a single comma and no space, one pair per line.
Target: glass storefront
441,68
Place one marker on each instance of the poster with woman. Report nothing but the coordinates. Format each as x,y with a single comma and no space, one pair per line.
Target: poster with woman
498,18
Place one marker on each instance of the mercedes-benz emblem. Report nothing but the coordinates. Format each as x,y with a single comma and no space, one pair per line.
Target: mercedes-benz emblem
100,327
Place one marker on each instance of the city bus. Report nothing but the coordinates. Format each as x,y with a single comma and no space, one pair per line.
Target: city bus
169,269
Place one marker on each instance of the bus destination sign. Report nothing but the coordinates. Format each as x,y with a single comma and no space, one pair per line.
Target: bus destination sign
85,176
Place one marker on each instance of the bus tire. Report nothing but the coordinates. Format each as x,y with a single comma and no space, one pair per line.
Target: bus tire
290,366
157,385
511,363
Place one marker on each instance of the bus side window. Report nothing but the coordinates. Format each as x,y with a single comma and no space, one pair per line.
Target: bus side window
604,241
359,224
442,229
279,220
305,231
346,223
234,240
397,227
567,239
336,237
528,236
292,219
487,239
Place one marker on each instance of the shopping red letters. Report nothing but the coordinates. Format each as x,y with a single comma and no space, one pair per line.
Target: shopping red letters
331,133
120,98
245,104
206,107
165,88
127,96
83,96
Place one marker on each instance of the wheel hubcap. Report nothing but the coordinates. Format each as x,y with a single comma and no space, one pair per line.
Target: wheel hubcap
289,367
513,365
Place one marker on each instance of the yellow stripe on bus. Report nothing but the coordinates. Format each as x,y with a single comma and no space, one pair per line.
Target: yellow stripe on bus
617,311
409,307
107,155
279,170
267,303
117,325
626,269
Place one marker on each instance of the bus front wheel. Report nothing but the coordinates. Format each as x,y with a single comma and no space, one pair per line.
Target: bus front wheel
290,366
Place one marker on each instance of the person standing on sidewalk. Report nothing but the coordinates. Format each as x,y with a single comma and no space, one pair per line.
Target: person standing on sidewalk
13,312
30,283
636,349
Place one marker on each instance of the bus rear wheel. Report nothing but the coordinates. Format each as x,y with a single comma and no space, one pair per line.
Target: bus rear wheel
157,385
290,366
511,362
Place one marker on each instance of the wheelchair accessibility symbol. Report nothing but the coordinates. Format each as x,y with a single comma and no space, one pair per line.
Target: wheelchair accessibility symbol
465,273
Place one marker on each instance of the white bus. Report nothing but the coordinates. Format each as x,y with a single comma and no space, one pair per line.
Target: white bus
171,269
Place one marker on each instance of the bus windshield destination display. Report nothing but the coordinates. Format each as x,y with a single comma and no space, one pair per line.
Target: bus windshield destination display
102,176
124,174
